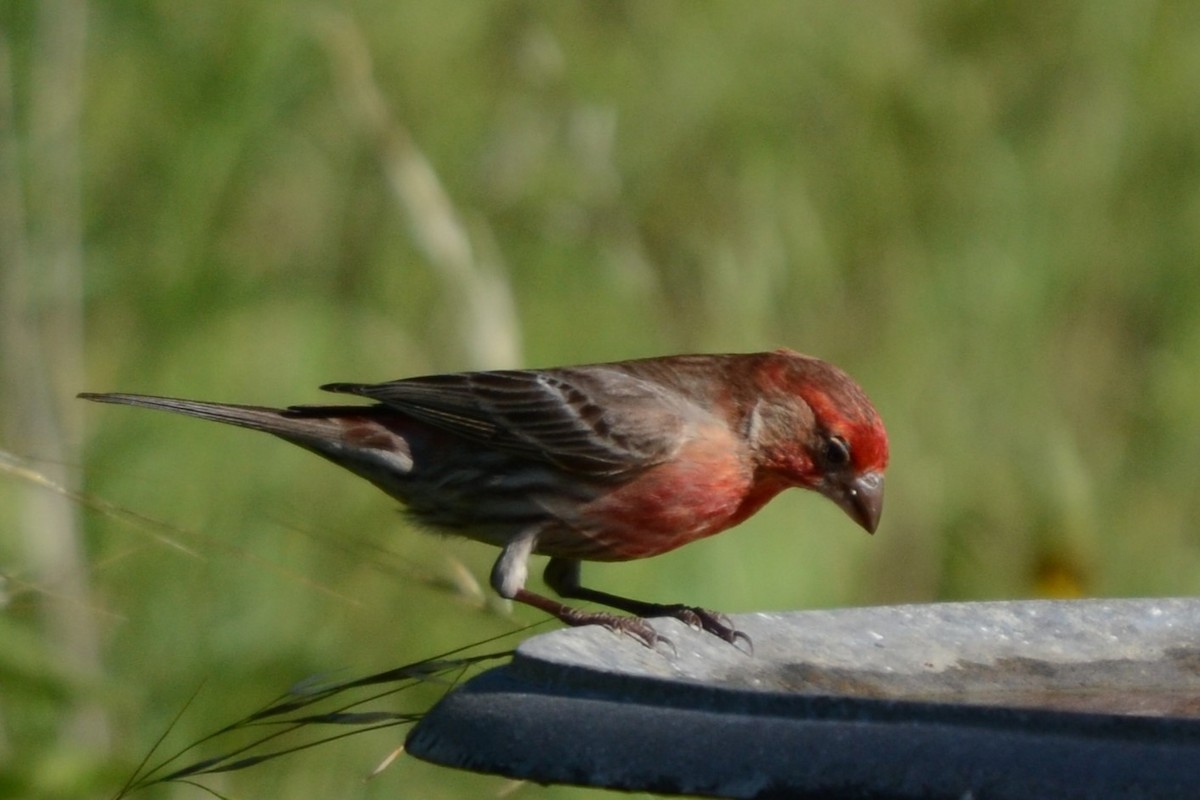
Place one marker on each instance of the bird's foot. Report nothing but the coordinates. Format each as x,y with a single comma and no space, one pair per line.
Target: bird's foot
713,622
635,627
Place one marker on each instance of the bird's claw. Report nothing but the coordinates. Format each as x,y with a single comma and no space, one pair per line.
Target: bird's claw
639,629
713,622
634,627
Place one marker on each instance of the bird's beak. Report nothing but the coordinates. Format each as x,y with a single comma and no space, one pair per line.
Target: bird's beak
861,497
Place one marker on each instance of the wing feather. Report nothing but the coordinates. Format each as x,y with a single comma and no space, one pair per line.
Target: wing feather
597,421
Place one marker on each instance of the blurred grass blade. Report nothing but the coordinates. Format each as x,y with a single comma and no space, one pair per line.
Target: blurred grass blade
445,669
22,470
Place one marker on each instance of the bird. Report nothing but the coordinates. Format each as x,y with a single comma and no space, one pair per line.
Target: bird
599,462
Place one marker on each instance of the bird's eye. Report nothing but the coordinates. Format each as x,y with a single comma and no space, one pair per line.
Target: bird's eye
836,452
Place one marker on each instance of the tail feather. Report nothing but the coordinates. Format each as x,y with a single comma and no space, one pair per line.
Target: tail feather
291,426
363,439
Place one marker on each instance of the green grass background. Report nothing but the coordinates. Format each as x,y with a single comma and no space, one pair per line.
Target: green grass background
989,213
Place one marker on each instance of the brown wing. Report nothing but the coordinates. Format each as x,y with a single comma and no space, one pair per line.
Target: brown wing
597,421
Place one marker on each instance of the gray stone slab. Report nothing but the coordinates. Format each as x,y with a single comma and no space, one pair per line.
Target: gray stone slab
1069,699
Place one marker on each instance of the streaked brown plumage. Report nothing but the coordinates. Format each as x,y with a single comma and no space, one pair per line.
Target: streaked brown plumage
604,462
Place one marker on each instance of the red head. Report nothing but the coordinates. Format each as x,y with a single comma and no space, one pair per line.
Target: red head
814,427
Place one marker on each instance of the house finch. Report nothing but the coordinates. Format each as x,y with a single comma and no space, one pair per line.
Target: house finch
605,462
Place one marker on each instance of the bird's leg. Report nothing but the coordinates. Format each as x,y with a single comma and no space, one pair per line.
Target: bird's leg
508,579
562,575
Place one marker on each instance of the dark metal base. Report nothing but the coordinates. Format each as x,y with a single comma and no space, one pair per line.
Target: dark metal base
1080,699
